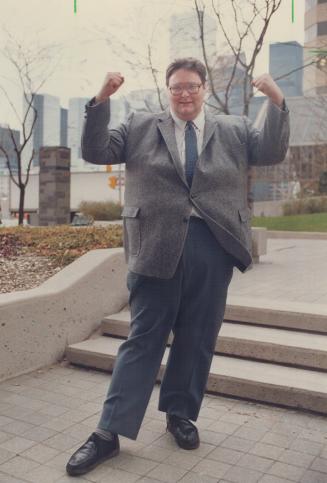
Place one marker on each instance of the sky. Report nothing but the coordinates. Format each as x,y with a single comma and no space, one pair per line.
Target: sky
95,40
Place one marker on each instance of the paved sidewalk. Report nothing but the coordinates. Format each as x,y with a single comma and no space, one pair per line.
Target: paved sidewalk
293,270
46,415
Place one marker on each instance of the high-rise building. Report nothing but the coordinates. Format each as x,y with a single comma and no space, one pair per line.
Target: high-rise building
8,146
185,36
315,25
286,57
76,112
63,127
46,131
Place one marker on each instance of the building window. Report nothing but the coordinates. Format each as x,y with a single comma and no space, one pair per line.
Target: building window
322,28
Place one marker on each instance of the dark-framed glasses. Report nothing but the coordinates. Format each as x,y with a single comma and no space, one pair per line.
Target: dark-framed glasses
177,89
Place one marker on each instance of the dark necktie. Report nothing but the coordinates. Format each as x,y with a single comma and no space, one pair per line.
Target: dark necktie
191,151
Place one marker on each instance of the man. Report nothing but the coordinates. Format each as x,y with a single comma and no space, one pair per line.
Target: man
186,225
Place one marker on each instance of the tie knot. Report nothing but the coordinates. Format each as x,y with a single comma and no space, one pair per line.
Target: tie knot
190,125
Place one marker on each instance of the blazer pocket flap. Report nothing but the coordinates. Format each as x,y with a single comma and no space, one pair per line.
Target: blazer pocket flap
130,212
244,214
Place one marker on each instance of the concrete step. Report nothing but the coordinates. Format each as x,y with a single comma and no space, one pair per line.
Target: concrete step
259,381
282,314
296,348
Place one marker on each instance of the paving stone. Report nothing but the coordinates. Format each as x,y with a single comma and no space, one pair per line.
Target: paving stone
132,464
18,466
4,478
291,472
273,479
4,421
313,435
248,432
281,440
60,461
239,474
17,412
320,464
44,474
238,444
54,410
225,427
5,455
17,444
191,477
305,446
254,461
155,453
226,455
167,473
313,477
183,459
212,437
148,480
266,450
40,453
204,423
212,468
68,479
106,474
296,458
235,418
61,442
283,427
323,453
39,433
147,437
5,436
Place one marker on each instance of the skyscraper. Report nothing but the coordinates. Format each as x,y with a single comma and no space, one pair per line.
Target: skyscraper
185,36
315,25
285,57
46,131
76,111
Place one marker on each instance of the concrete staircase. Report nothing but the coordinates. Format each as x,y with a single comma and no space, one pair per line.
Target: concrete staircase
265,355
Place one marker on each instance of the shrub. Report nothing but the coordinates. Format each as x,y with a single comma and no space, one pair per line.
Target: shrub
305,206
101,210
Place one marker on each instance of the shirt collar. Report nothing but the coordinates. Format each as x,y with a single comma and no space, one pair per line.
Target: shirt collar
198,121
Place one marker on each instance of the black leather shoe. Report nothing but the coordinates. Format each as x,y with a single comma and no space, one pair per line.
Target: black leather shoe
184,432
93,452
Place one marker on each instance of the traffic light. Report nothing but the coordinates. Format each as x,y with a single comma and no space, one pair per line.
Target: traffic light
108,168
112,182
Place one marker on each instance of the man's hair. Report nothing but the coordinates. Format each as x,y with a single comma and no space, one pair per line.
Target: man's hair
187,63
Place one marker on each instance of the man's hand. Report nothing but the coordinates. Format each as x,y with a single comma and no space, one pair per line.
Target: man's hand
266,84
111,84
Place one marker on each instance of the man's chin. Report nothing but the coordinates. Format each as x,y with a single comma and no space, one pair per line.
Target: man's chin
186,114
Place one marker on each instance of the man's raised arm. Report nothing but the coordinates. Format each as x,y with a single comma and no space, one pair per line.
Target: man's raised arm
99,144
269,145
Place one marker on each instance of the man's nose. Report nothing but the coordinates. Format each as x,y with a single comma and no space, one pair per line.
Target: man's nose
185,92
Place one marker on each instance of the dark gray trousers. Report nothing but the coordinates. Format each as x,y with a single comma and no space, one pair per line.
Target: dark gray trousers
192,305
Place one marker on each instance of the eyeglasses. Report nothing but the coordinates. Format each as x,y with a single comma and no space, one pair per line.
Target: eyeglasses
190,88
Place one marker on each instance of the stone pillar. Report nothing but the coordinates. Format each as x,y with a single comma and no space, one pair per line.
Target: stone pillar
54,186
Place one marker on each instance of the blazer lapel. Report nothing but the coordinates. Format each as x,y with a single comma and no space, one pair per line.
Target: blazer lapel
167,129
209,128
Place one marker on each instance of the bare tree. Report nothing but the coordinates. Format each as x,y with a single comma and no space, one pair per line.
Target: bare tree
249,25
32,66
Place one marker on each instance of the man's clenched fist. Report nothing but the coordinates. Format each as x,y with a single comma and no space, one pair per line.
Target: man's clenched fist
266,84
111,84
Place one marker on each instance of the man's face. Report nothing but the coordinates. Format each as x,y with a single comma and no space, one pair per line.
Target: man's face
185,104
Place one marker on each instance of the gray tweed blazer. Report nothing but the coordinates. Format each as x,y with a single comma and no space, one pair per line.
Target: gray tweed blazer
158,201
